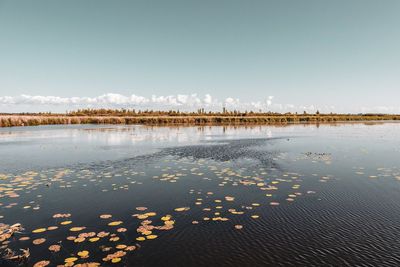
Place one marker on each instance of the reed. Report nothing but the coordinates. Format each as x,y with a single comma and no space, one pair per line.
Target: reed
161,118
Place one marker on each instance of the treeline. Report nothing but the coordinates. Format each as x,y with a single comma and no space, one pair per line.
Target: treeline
202,112
140,113
188,119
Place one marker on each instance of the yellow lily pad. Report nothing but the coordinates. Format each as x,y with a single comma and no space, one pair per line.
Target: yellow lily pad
83,254
116,260
115,223
71,259
76,229
39,230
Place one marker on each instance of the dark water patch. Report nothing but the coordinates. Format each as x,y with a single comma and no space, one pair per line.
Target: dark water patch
229,150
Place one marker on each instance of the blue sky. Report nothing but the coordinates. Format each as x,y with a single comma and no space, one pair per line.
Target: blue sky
338,55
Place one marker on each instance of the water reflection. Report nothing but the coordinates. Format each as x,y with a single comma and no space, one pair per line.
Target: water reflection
57,145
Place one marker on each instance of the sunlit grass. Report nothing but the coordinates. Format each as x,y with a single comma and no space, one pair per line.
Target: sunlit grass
163,118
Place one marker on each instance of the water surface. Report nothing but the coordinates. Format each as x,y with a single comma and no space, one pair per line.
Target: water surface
298,195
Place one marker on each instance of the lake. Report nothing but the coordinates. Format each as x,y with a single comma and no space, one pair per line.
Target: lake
296,195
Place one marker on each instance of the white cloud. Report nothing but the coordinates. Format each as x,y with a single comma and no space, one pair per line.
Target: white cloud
183,102
111,100
269,100
231,102
208,99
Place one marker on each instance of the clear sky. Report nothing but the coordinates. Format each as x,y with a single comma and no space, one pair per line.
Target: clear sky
341,53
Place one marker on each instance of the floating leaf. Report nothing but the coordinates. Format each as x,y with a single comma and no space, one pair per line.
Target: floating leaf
39,241
55,248
39,230
62,215
229,198
169,222
115,223
130,248
146,232
166,218
41,263
79,239
83,254
116,260
76,229
103,234
71,259
182,209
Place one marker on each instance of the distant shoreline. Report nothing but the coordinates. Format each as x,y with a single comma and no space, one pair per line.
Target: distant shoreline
17,120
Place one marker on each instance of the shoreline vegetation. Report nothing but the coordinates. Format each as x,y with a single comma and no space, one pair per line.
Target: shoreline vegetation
150,117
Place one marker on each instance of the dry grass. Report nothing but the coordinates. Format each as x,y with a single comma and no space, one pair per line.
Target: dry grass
204,119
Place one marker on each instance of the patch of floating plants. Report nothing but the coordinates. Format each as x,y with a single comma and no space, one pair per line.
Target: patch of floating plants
231,192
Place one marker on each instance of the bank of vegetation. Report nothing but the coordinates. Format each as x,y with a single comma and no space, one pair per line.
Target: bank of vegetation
150,117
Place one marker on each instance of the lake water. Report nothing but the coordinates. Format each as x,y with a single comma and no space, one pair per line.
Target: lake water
299,195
